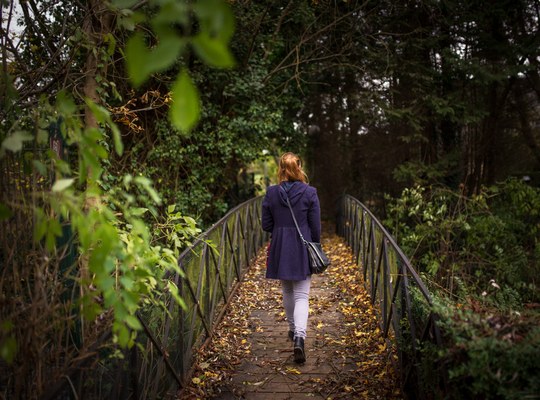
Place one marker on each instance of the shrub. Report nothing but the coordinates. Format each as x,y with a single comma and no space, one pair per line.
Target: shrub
491,356
486,242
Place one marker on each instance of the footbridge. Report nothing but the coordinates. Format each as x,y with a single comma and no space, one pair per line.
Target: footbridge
370,318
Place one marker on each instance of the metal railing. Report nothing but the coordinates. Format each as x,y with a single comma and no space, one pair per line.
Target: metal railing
401,298
211,267
159,363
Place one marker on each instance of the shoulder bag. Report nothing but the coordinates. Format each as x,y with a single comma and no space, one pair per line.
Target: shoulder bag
318,261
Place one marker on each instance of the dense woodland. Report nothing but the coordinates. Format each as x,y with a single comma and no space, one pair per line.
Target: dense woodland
427,111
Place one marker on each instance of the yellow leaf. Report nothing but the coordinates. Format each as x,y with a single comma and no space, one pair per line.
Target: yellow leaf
211,375
293,371
196,381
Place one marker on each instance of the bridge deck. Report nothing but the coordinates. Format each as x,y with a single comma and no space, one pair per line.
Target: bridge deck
251,358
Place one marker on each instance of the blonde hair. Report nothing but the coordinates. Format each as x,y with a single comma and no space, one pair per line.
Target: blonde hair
290,168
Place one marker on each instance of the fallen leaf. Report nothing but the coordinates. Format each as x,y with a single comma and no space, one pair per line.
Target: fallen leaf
204,365
293,371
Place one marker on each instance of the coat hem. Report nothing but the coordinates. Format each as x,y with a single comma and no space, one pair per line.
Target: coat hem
288,278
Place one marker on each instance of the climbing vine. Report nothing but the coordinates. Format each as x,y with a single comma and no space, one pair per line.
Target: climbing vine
100,243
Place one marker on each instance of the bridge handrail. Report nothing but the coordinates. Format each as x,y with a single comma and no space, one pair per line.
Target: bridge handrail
212,267
398,250
159,363
395,288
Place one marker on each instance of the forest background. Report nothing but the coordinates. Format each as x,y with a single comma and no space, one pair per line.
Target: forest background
427,111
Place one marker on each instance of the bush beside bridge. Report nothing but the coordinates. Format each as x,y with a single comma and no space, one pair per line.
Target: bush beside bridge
480,256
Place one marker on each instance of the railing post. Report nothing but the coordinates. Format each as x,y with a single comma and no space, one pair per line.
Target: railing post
181,327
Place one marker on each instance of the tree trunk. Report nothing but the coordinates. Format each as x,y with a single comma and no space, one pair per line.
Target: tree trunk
525,123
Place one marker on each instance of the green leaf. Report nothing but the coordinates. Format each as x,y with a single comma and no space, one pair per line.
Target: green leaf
138,211
118,145
126,22
109,38
213,51
99,112
54,230
5,212
141,62
92,135
127,180
90,162
136,55
104,117
40,227
147,185
62,184
8,349
131,300
176,295
165,53
14,143
123,334
133,322
127,282
65,104
216,18
170,14
89,308
42,136
105,283
185,108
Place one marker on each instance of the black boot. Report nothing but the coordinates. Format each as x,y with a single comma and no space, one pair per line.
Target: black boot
299,354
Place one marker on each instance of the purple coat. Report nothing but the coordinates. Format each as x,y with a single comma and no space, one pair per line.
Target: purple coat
288,258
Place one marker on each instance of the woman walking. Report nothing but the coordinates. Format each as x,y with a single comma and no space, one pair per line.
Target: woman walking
287,255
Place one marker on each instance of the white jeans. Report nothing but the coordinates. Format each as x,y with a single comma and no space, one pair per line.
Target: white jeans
296,303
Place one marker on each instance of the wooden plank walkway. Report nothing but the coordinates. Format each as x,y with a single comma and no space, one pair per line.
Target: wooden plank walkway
250,356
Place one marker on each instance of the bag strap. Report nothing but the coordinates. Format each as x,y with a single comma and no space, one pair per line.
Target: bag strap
293,217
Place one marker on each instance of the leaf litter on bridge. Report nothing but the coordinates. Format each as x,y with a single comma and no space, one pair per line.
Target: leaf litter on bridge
348,358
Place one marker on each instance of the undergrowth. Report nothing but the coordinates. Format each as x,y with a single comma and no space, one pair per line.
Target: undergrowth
480,256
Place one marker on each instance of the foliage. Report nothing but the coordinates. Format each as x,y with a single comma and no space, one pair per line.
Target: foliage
246,110
113,265
112,236
122,264
480,257
487,243
489,355
447,89
215,28
122,239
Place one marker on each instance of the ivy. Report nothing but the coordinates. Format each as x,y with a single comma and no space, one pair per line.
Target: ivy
125,241
125,262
